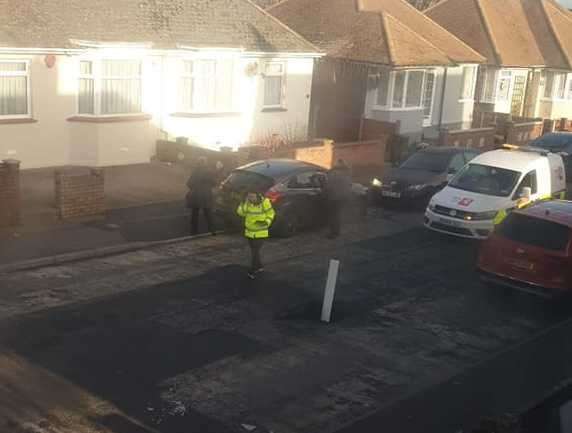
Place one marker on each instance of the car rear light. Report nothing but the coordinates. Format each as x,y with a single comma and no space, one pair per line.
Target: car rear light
274,196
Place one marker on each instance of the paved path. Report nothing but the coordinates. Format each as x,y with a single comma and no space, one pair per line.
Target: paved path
176,339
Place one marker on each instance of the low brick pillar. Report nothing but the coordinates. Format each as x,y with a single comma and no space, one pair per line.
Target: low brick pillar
9,193
79,193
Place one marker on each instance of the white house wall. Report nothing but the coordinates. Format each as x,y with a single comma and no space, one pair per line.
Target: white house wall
53,140
455,111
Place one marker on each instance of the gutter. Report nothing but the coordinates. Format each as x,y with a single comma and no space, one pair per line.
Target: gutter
442,108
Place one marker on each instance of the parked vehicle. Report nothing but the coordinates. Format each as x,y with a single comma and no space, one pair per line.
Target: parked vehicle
557,142
423,174
491,183
531,250
294,187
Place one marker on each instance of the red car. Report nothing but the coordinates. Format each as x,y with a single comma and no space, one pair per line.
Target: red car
531,250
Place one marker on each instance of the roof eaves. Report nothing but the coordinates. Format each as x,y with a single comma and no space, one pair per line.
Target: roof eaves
387,37
556,34
488,31
284,26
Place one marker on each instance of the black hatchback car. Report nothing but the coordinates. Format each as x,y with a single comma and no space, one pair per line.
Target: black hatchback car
294,187
557,142
422,175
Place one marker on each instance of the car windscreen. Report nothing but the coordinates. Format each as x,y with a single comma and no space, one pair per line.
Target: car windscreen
553,142
436,162
534,231
248,181
484,179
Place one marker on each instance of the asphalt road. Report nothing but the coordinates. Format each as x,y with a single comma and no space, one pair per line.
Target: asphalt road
211,353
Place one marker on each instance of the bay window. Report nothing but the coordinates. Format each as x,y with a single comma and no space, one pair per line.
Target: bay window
504,85
468,82
570,87
110,87
15,89
274,85
382,87
407,89
555,85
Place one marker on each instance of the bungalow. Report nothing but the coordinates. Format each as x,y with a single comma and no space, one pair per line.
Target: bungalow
528,50
385,61
98,82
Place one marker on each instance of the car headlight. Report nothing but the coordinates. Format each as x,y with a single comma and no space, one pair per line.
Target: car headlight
376,182
483,216
432,206
417,187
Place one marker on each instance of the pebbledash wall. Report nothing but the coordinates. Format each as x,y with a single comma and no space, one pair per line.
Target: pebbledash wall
54,134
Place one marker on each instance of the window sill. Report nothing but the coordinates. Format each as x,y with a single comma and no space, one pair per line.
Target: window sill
401,109
16,120
111,119
206,115
274,110
465,100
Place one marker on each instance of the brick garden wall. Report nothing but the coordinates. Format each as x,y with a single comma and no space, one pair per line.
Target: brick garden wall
9,193
79,193
522,133
478,138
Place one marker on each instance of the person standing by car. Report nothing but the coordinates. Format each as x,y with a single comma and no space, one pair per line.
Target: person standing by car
200,195
258,215
338,189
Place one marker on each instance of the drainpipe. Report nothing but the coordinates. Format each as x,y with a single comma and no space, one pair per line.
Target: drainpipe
442,108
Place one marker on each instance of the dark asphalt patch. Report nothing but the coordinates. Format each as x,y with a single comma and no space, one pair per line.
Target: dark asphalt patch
121,350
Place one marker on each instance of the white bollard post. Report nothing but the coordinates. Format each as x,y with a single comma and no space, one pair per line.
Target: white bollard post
330,290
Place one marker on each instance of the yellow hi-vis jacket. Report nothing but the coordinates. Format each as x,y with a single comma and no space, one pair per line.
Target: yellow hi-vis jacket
257,218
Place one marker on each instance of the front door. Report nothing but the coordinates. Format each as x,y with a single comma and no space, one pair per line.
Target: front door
428,93
518,95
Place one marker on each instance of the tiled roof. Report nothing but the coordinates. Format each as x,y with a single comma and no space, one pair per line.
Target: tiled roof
164,23
386,32
518,33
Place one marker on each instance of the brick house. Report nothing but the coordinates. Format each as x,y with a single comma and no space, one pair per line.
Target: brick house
528,50
385,61
97,83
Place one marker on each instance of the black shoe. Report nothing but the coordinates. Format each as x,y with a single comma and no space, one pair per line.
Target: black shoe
259,270
251,275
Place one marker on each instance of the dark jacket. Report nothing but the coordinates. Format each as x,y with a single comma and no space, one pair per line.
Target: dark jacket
339,183
200,185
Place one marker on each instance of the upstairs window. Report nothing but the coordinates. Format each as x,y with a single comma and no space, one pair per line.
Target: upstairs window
14,89
274,85
110,87
468,83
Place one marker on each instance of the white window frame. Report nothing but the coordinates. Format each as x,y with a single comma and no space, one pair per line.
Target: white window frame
195,76
26,74
402,106
427,119
560,84
283,74
96,75
487,73
466,97
569,91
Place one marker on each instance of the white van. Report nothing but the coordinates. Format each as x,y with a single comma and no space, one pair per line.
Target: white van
493,182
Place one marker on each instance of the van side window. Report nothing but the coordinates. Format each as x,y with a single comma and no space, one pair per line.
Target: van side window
528,181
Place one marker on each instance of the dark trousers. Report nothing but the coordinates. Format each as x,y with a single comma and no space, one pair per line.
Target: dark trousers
195,219
335,216
255,247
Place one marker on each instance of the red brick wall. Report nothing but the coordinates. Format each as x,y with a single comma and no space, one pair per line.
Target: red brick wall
366,158
9,193
374,129
79,193
521,133
480,138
